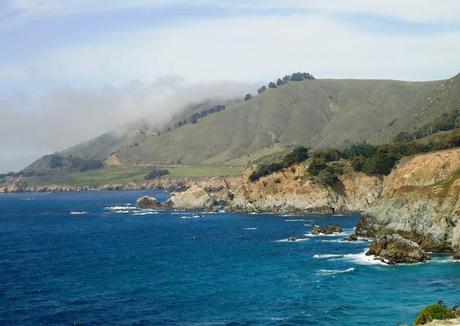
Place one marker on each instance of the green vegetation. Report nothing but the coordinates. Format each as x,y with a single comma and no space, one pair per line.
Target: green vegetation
316,114
247,97
262,89
193,118
447,121
61,162
129,174
319,166
156,173
434,312
298,155
319,114
380,160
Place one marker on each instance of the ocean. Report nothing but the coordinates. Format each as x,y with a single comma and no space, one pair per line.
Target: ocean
90,258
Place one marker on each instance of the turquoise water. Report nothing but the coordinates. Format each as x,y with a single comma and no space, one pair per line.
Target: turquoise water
95,267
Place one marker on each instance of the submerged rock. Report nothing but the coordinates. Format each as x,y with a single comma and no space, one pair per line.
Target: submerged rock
147,202
394,249
351,237
330,229
293,239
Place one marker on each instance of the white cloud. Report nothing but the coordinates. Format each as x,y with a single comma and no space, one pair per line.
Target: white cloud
31,127
249,48
409,10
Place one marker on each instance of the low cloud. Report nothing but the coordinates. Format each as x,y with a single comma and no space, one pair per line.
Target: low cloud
31,127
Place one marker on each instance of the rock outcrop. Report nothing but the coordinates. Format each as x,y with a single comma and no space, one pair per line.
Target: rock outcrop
147,202
420,201
394,249
211,195
15,185
331,229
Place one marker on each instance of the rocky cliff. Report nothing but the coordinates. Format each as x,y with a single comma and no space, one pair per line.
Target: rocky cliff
419,199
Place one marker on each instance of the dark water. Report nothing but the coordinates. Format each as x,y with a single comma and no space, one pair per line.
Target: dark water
139,268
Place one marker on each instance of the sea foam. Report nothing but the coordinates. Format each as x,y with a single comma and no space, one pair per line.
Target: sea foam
326,256
78,212
326,272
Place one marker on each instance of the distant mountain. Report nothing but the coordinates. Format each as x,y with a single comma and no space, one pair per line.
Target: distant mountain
313,113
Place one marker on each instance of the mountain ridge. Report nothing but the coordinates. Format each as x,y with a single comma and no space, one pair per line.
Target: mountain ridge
316,113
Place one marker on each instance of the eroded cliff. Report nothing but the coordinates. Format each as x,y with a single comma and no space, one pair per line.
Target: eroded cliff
419,199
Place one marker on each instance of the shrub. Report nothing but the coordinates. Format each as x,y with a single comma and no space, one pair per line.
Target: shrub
357,163
364,149
330,175
380,163
247,97
156,173
434,311
265,170
298,155
316,166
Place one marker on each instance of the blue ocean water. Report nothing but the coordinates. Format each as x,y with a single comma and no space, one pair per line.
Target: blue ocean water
68,258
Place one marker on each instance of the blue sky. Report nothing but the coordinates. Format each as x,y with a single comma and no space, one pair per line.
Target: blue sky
81,48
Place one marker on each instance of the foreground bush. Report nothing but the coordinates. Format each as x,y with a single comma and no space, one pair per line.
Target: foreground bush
434,311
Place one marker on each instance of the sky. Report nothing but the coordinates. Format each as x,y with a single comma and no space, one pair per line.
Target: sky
71,70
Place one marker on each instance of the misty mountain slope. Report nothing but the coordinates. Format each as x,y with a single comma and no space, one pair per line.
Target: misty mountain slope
313,113
100,147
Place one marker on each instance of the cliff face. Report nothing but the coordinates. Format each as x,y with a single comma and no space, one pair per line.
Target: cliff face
418,200
289,191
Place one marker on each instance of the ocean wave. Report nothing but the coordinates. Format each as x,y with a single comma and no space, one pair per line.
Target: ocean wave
326,256
141,213
78,213
363,259
249,228
327,272
296,240
191,216
298,220
120,208
444,260
344,241
338,234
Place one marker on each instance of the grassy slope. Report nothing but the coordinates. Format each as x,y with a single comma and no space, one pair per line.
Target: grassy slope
129,174
318,113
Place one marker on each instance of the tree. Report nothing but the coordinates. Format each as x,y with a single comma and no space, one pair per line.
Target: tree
262,89
155,173
272,85
247,97
279,82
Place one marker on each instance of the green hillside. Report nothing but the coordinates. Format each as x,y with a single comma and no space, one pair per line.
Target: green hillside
312,113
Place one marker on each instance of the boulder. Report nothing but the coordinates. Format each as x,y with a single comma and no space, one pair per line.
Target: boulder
330,229
394,249
147,202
